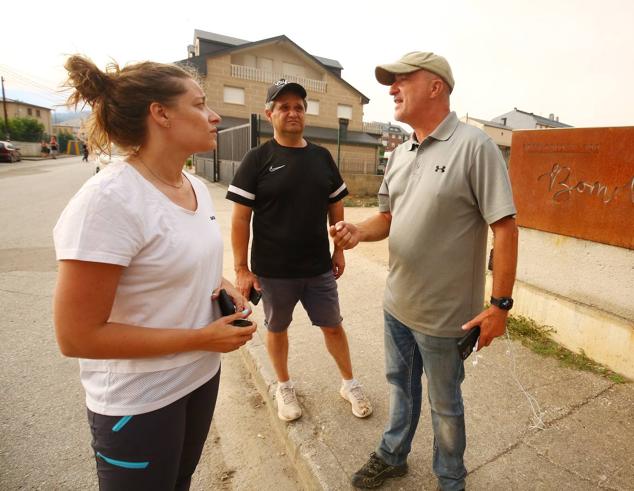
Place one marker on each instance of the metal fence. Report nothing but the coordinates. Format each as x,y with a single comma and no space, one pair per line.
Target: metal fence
233,144
357,165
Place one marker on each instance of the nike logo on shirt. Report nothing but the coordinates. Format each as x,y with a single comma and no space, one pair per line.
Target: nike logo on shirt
273,169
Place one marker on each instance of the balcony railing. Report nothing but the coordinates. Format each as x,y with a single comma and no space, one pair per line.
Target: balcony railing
257,75
374,128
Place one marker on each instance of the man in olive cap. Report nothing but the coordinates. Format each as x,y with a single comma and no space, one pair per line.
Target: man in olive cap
441,191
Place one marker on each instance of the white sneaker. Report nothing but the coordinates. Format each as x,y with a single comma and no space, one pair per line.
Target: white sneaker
288,408
361,406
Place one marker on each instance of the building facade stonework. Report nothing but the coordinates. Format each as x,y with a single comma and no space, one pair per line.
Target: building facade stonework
237,74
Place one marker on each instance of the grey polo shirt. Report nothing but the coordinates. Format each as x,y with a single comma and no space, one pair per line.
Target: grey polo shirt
442,194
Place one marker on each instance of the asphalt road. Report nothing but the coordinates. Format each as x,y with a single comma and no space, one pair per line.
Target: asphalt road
44,438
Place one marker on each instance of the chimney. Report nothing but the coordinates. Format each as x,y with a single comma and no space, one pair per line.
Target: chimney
557,119
551,116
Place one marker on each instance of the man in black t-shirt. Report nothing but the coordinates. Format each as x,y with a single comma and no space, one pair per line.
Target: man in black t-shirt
292,187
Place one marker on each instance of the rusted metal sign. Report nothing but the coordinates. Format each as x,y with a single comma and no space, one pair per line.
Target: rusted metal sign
577,182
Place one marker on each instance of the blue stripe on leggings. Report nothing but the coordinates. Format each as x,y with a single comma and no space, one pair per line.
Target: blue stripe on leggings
121,423
123,463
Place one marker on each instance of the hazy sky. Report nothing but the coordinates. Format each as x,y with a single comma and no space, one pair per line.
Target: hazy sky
571,58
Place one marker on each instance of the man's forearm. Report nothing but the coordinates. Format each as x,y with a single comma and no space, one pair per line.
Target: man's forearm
375,228
335,214
240,233
505,238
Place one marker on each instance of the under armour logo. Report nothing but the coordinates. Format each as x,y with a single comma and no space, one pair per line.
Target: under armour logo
441,169
212,218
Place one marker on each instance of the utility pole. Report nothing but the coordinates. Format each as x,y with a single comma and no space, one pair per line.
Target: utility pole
4,105
342,132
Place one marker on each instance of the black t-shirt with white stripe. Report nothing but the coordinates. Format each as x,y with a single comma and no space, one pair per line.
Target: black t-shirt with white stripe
289,190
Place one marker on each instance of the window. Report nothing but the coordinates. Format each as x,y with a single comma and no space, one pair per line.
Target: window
344,111
249,60
292,69
313,107
265,64
29,111
234,95
37,113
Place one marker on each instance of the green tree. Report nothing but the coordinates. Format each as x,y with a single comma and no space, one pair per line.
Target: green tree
63,137
23,129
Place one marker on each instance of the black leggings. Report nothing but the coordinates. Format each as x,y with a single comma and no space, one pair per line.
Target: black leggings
158,450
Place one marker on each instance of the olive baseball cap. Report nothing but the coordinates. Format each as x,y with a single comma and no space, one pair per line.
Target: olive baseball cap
413,61
282,85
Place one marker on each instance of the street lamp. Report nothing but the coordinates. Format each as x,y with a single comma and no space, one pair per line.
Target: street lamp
342,132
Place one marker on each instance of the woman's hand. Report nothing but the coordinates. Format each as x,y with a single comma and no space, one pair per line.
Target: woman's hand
220,336
239,300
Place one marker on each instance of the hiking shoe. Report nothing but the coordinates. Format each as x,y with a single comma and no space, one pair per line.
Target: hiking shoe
375,472
288,408
361,406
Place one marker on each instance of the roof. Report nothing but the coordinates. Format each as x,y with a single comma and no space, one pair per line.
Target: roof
231,41
218,38
329,62
196,62
310,132
490,123
543,120
15,101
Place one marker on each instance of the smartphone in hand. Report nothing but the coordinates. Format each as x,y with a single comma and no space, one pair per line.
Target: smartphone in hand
254,296
468,342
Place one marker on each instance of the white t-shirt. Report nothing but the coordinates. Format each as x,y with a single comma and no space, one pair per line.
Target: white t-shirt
172,260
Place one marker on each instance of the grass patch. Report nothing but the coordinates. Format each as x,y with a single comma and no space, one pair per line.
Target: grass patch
537,338
361,201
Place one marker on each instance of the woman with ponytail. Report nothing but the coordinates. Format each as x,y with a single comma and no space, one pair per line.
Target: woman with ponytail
140,255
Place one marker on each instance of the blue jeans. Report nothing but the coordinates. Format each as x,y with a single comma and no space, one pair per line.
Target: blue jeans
407,354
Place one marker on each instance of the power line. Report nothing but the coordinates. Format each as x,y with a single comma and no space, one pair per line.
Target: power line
53,96
31,78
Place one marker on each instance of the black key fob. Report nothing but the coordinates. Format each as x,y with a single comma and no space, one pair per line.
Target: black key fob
227,307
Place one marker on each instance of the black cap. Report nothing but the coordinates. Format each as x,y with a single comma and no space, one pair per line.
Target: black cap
282,85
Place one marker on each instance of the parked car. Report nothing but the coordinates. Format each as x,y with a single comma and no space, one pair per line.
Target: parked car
9,153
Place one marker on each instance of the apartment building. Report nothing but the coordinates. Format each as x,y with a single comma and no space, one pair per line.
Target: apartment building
499,133
237,74
523,120
21,109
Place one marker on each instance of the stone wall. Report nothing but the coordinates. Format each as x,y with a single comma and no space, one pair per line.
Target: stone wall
28,149
363,184
337,92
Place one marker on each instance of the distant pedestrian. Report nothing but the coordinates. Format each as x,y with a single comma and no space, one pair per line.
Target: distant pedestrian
45,151
84,152
53,145
140,253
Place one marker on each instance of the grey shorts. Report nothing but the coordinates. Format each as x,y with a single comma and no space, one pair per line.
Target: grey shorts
318,295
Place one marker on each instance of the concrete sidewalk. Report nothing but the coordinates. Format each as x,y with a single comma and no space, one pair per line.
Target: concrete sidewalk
588,435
